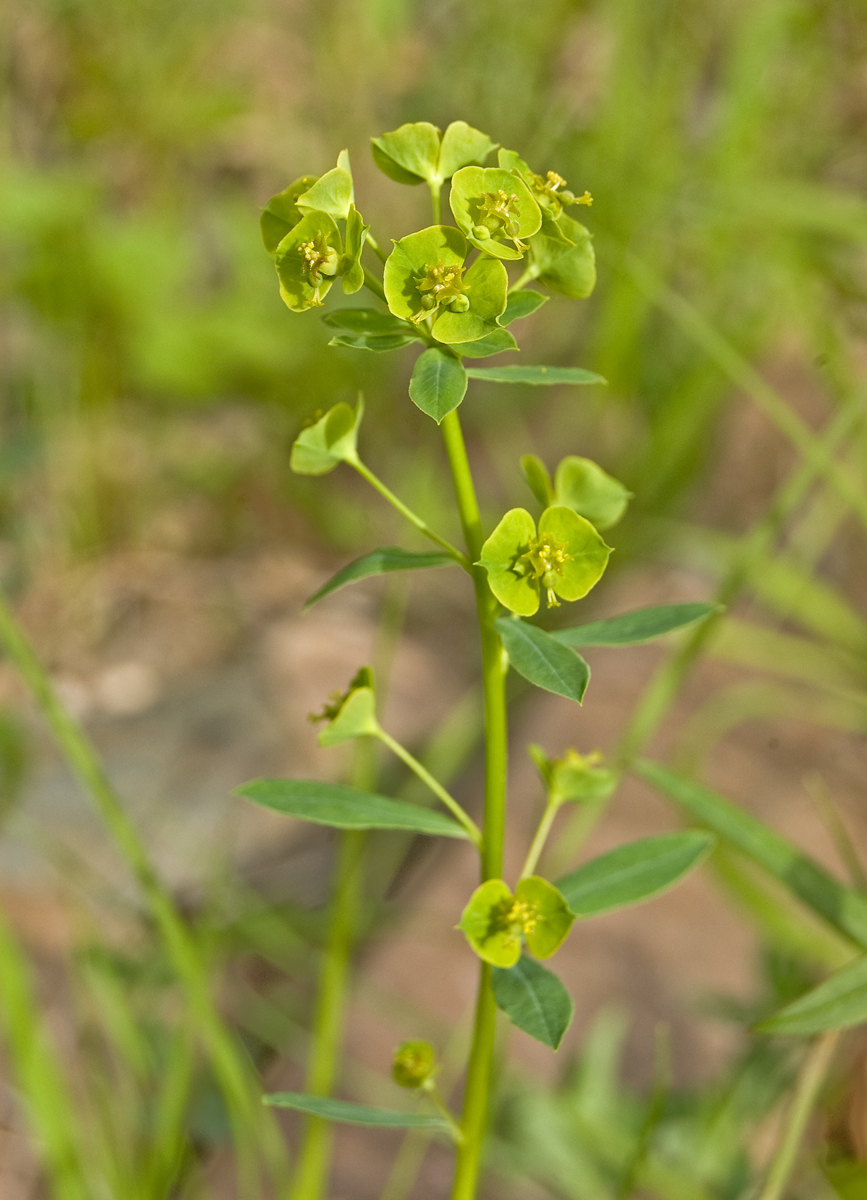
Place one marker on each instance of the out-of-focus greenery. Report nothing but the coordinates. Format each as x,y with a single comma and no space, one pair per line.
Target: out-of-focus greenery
723,145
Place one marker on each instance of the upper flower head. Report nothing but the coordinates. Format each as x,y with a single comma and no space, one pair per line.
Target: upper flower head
549,190
425,277
565,558
495,920
494,207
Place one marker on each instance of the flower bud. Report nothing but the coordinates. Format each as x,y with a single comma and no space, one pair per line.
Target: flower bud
460,304
481,232
413,1064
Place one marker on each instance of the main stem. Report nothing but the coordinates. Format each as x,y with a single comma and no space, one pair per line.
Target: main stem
475,1114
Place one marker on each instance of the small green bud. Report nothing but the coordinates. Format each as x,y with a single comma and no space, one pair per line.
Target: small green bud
460,304
481,232
413,1064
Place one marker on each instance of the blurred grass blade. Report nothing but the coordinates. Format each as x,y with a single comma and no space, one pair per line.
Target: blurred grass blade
344,807
841,907
633,873
379,562
838,1003
641,625
534,375
348,1113
49,1106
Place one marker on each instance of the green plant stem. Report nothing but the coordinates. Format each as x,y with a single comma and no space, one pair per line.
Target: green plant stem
416,520
479,1069
538,844
373,285
251,1125
375,247
810,1080
435,193
435,786
432,1092
530,273
311,1171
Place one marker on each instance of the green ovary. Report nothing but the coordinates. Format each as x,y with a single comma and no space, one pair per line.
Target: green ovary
497,214
545,559
441,286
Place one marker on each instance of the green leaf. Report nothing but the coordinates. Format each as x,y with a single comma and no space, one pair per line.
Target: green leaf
534,999
462,146
841,907
409,154
534,375
641,625
538,479
353,1114
567,269
331,440
838,1003
438,384
582,485
633,873
495,342
550,919
281,214
501,554
380,562
332,193
381,343
521,304
366,320
356,718
351,268
543,661
344,807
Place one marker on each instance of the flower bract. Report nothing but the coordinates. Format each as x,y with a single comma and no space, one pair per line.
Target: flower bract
563,258
582,485
281,214
308,259
550,191
418,153
494,208
329,441
495,921
565,557
425,279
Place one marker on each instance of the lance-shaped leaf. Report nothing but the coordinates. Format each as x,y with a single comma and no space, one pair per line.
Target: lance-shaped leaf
424,279
495,920
838,1003
438,384
521,304
543,661
640,625
841,907
308,260
379,343
535,375
493,208
534,999
367,320
281,214
415,153
331,440
332,193
582,485
380,562
567,269
344,807
634,873
347,1113
495,342
566,558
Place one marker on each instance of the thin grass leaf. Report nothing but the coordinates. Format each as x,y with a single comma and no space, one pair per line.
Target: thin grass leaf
534,375
838,1003
347,1113
641,625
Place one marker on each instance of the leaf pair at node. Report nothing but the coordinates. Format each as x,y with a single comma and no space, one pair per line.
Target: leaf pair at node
496,921
581,485
426,278
566,557
299,228
418,153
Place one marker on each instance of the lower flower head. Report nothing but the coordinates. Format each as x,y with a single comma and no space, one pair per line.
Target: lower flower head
496,920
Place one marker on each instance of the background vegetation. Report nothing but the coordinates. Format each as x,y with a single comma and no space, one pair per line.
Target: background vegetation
152,383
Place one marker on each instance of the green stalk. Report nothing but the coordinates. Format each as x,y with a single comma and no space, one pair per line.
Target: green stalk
422,526
535,851
373,285
435,190
479,1070
435,786
810,1080
311,1171
251,1126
